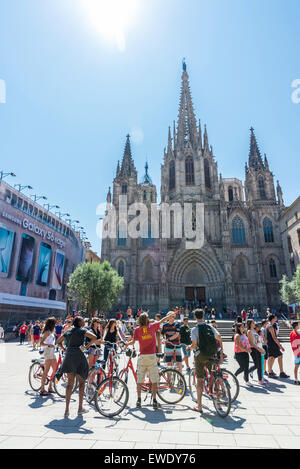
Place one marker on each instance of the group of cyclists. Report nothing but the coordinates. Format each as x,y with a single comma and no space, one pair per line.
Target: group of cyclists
78,337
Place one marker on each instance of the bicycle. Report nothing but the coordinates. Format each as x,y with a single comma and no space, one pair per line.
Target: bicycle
95,376
112,394
36,371
171,387
215,387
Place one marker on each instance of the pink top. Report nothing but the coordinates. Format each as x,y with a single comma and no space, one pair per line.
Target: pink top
245,344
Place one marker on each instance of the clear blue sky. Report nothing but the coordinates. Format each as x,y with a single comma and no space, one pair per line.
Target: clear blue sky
73,95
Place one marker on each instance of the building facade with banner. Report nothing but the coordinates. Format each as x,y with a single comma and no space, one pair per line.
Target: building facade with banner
38,251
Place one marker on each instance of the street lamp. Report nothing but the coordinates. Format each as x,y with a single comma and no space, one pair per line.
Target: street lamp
72,221
38,197
50,207
21,188
61,215
4,175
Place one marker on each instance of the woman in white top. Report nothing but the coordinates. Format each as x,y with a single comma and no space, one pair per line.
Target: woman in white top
48,344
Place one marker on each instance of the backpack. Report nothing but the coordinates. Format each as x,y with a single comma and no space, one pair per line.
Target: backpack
207,343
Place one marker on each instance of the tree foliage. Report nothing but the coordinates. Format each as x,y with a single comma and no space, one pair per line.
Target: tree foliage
95,286
290,291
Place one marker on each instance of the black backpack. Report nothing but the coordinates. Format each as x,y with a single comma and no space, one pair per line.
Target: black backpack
207,343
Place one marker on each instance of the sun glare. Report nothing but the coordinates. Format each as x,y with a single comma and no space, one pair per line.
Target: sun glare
111,18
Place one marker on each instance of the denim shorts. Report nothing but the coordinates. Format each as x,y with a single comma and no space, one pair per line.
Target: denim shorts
185,353
297,361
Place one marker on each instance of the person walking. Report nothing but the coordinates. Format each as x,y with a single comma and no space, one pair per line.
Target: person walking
295,343
48,345
145,335
241,352
275,349
204,343
256,350
185,340
23,332
75,364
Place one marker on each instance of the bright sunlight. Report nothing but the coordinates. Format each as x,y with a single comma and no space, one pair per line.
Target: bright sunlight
112,18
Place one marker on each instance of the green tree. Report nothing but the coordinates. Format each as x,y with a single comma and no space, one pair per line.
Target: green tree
296,284
287,291
95,286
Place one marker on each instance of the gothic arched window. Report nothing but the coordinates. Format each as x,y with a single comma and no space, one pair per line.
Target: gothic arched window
238,231
121,268
207,174
124,189
172,179
262,189
273,269
268,230
189,171
230,194
242,272
148,271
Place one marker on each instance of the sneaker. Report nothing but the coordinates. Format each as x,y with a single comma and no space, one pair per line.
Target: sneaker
83,411
188,370
156,405
297,383
265,381
139,403
248,385
272,375
283,375
251,375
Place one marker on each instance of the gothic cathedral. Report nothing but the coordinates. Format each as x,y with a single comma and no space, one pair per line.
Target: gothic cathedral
242,259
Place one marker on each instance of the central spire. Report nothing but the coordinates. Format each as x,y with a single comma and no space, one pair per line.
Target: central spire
187,124
128,168
255,159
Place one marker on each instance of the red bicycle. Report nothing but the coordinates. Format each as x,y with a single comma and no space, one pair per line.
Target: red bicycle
36,371
112,394
171,387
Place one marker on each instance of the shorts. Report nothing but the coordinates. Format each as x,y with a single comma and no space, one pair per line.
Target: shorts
297,361
169,355
274,352
147,363
94,352
202,362
49,354
185,353
36,338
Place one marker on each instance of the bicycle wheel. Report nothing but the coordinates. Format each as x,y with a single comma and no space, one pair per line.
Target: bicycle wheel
60,386
171,388
96,375
35,376
221,397
111,397
233,384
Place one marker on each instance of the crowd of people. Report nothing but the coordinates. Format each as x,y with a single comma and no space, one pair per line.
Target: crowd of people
170,334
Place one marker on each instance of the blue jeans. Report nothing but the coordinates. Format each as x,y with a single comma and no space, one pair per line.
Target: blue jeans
185,353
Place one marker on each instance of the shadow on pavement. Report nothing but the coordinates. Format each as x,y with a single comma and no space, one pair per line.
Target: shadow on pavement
69,427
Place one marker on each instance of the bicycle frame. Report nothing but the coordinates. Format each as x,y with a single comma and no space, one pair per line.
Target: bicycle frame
50,378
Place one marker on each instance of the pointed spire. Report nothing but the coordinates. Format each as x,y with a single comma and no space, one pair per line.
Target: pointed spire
280,194
206,145
266,163
255,159
118,169
147,179
187,124
128,168
174,135
200,136
108,198
170,150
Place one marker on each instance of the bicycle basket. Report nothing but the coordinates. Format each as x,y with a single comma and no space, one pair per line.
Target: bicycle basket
131,353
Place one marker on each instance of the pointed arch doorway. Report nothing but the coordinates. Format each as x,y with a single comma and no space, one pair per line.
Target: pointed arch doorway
195,294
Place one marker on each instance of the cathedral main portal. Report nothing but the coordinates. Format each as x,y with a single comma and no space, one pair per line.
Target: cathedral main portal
195,294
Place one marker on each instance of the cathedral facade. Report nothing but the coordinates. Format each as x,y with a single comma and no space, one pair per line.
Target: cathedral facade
242,259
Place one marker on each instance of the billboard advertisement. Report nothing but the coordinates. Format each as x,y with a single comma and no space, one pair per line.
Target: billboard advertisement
58,270
26,258
43,268
6,245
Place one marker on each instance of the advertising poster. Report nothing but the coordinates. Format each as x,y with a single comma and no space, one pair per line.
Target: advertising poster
43,268
26,258
6,245
58,270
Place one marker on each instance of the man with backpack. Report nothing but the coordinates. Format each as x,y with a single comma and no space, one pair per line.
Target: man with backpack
204,343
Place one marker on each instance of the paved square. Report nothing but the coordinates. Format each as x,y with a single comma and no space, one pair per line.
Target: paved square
262,418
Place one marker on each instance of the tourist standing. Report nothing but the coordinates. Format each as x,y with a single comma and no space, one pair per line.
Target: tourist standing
48,344
295,343
275,349
171,333
256,350
23,332
185,340
241,352
75,363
